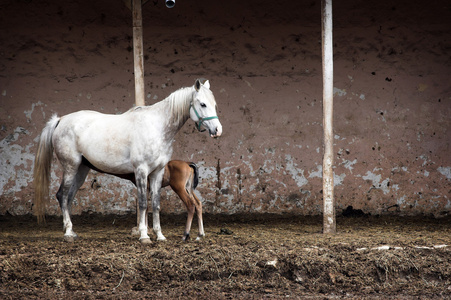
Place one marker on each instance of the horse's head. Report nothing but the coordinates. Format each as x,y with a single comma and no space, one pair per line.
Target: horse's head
203,109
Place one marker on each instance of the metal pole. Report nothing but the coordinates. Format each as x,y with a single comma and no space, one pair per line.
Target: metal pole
138,53
329,225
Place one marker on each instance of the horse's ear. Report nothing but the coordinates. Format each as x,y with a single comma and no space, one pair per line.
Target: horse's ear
197,85
201,82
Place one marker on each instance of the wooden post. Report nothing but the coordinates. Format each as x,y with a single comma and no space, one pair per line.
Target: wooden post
329,226
138,52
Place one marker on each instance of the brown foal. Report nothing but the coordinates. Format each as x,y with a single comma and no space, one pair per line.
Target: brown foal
183,178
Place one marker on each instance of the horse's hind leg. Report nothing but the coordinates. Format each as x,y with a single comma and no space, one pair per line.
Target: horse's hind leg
63,198
72,181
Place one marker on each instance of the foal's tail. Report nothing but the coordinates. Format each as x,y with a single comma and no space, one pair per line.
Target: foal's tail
42,165
195,180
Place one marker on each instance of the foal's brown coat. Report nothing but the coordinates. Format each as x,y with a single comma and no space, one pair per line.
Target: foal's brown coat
182,177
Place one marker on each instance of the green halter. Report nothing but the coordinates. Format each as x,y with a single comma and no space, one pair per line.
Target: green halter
201,120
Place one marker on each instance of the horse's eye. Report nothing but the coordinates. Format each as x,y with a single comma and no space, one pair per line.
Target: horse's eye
203,104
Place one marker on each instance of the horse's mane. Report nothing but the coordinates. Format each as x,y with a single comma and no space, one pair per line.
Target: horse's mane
178,101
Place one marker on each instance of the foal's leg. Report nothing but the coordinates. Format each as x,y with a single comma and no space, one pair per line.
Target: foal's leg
141,209
198,205
189,220
179,188
155,180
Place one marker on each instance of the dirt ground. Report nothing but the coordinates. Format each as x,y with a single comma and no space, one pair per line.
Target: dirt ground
252,257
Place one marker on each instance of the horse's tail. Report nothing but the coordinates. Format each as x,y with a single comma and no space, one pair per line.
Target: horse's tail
42,166
195,175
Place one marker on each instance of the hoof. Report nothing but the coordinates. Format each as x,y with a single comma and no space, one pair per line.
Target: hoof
199,237
69,238
145,241
186,238
161,238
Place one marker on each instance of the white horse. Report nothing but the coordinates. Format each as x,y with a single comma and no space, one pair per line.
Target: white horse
136,143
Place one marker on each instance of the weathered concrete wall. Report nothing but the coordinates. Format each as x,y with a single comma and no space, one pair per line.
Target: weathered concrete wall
392,99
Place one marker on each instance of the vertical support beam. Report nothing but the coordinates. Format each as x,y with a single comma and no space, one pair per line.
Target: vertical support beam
138,52
329,226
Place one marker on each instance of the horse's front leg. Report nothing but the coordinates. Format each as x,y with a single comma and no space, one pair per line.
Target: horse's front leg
135,230
155,187
141,212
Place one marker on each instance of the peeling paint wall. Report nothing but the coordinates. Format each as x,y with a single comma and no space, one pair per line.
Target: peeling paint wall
392,102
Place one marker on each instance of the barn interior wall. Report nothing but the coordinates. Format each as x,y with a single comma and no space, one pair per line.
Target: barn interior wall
392,99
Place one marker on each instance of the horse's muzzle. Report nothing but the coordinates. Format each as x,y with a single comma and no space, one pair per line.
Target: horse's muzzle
217,133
